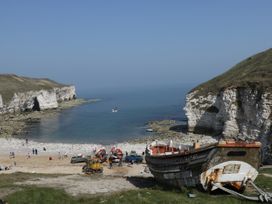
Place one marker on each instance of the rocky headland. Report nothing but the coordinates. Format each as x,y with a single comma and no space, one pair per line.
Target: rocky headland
24,100
236,104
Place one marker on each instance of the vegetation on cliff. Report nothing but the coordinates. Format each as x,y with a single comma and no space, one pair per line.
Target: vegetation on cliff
255,71
10,84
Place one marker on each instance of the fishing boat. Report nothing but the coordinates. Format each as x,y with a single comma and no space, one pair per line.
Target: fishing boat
226,163
114,110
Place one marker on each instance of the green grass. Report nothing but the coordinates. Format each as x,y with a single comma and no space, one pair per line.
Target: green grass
145,196
255,71
266,171
10,83
156,194
8,180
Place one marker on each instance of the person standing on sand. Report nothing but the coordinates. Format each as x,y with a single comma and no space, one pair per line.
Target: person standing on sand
36,151
110,162
33,151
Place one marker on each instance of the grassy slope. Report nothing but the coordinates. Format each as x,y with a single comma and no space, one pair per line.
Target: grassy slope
254,71
9,84
32,194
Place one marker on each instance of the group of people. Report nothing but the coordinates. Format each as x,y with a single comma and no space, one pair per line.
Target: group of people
12,155
34,151
5,168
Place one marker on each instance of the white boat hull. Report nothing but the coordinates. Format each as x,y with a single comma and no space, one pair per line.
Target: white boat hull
235,173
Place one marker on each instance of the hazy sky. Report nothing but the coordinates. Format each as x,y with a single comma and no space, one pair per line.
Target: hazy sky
102,44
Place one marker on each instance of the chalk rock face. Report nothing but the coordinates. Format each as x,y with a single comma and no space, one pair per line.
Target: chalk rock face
38,100
1,101
237,113
65,93
46,100
236,104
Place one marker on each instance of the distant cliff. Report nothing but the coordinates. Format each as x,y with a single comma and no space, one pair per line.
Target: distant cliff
236,104
20,94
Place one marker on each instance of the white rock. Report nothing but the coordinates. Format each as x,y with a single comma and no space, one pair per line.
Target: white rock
47,100
43,99
241,111
1,101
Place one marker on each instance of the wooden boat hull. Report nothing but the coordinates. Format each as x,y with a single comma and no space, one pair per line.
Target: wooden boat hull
185,169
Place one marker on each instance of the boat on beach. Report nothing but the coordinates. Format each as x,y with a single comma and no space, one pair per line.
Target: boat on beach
226,163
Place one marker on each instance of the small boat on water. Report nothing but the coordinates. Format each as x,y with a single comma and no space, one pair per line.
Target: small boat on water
114,110
226,163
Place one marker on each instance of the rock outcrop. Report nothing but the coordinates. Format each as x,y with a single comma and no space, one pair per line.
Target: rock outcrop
237,104
46,94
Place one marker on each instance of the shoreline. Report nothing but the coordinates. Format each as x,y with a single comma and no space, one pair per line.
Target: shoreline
15,125
20,147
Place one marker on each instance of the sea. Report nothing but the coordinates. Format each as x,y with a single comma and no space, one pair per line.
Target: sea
96,123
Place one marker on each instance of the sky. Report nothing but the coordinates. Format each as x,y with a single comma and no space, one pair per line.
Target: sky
105,44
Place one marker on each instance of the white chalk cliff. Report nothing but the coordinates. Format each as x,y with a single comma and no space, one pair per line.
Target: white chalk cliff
237,104
19,94
37,100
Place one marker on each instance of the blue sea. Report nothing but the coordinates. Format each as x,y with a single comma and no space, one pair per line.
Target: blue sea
96,123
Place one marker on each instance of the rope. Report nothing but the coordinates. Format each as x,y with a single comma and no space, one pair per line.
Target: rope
255,198
264,196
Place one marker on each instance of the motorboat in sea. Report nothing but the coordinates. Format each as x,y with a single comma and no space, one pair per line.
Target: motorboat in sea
114,110
227,163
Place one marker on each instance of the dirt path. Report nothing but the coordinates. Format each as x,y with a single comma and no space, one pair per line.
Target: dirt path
80,184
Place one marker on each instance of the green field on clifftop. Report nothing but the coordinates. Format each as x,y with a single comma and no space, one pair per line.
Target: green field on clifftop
10,84
255,71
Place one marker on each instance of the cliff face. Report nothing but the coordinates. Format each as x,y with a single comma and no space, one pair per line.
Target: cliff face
236,109
46,94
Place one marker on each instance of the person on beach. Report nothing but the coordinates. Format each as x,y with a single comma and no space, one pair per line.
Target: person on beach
36,151
65,155
11,155
26,141
110,162
44,149
33,151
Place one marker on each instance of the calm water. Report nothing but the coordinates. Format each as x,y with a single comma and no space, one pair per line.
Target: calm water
95,122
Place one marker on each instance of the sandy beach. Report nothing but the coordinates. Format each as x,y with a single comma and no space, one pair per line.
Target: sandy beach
61,153
26,161
69,176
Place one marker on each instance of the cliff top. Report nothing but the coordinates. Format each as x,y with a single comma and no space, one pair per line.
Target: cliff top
10,84
255,71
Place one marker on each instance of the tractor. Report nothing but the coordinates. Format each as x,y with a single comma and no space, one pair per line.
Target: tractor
93,165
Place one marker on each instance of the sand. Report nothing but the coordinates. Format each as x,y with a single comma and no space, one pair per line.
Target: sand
25,161
70,176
